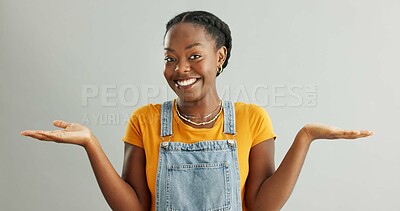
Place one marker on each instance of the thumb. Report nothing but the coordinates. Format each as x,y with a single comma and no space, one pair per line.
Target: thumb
61,123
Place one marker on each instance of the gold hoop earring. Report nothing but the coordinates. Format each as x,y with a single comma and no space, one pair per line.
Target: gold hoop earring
220,69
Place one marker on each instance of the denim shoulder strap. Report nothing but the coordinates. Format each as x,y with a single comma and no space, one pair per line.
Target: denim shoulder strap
229,118
166,119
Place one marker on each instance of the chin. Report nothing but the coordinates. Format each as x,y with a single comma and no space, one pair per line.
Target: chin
188,98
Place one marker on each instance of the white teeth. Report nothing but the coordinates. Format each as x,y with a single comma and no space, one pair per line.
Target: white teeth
186,82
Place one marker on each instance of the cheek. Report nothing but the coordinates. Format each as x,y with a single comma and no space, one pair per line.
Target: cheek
167,71
208,71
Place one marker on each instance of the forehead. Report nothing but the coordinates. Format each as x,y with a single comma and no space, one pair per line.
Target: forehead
183,34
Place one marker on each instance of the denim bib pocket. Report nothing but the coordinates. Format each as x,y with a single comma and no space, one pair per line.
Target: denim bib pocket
201,185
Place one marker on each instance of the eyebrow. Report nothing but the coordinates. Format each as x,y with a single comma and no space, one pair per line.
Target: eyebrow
186,48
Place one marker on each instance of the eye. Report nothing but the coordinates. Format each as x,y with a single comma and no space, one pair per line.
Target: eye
169,59
193,57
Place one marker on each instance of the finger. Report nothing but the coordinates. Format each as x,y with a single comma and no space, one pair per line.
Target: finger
61,123
354,134
351,132
25,132
37,134
30,132
343,133
367,132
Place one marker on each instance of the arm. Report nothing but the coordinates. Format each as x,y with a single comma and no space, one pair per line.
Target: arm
268,190
129,192
134,173
119,194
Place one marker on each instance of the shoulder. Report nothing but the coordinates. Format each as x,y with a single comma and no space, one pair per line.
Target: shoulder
254,120
251,114
249,109
146,109
146,114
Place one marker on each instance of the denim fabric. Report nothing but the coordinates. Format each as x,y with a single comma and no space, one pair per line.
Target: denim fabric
166,119
201,176
229,118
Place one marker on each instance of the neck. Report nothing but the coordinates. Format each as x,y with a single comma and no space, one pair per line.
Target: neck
199,107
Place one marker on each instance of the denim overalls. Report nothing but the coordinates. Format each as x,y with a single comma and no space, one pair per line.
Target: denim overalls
202,176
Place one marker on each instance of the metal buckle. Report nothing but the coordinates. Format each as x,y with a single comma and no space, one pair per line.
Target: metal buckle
165,144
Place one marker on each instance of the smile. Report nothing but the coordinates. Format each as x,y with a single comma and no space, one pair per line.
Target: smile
186,82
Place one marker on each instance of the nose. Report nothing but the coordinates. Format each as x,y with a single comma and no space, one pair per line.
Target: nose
182,67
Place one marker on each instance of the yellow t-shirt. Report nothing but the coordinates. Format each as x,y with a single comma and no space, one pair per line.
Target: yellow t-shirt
253,126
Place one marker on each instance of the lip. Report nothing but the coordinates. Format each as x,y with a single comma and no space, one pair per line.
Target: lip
184,79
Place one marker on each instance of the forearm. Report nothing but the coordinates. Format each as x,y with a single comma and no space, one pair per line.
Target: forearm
118,194
275,191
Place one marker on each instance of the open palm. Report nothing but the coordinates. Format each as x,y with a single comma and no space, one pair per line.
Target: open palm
71,133
321,131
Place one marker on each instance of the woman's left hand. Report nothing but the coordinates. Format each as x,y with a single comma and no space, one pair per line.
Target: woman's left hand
321,131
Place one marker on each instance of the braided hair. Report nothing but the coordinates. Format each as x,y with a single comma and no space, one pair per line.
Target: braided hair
214,26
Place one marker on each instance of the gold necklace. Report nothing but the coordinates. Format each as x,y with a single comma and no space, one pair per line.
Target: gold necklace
205,116
199,123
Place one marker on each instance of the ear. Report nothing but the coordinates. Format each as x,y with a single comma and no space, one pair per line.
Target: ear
221,53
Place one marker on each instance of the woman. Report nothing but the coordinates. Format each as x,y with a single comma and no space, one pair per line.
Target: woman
197,152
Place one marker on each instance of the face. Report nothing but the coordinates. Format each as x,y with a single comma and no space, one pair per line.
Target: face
191,61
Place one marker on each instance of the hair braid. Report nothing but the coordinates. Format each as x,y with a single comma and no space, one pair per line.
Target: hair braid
214,26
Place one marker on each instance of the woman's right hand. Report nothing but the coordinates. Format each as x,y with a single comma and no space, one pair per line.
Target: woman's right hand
71,133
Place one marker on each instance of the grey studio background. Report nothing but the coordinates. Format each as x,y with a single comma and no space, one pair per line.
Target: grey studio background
94,62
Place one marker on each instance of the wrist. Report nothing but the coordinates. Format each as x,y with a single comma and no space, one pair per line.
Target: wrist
90,142
305,136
